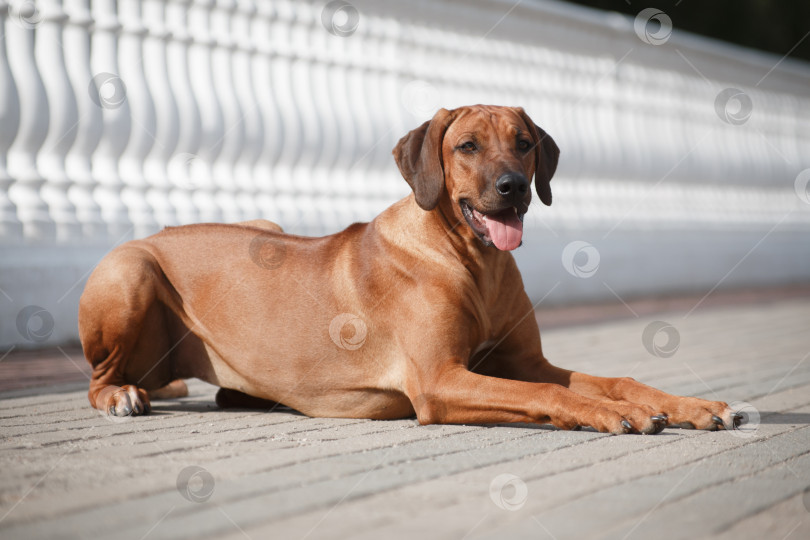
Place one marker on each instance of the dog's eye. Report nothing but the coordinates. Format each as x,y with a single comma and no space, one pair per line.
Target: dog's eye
524,145
468,147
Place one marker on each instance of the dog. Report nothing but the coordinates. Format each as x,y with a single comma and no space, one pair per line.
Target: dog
420,312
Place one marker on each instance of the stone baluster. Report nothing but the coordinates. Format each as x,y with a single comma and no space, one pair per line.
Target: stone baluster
63,119
212,123
338,88
155,167
360,179
393,185
699,121
604,98
303,64
283,90
635,142
10,225
264,173
677,91
556,117
142,111
182,181
801,138
88,131
323,193
377,155
662,106
757,153
24,17
583,113
109,92
233,135
242,56
788,129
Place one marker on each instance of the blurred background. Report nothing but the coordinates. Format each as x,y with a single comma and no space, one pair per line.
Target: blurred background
685,159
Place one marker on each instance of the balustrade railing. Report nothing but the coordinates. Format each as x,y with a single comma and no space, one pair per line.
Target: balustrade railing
119,117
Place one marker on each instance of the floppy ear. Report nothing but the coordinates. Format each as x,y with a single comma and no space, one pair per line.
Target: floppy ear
419,158
546,156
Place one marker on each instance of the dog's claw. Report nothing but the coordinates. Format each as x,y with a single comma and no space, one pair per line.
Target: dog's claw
660,422
627,425
717,421
736,419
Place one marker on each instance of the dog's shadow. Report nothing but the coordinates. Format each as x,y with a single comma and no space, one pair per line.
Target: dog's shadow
209,405
165,407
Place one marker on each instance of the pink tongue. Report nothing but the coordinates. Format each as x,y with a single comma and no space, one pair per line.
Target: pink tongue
505,230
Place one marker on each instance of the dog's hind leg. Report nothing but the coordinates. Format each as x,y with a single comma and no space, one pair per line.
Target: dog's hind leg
175,389
122,327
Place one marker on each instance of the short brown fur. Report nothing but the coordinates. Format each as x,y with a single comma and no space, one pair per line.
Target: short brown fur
444,328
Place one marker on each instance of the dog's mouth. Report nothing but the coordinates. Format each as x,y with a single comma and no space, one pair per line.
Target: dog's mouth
503,228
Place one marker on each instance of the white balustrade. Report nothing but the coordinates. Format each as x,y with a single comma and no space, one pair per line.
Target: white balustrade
63,119
167,128
233,136
212,124
243,52
142,113
120,117
273,130
183,180
139,114
78,167
33,125
10,225
108,91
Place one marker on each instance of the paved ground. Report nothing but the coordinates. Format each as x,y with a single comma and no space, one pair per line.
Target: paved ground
190,470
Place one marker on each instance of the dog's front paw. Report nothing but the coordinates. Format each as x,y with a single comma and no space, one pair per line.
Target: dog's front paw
695,413
634,418
618,418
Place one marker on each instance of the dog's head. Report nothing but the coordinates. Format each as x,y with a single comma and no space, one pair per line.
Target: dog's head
480,160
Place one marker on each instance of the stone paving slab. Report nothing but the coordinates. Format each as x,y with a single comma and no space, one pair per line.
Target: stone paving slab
192,470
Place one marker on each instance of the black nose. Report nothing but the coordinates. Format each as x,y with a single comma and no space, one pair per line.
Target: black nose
512,186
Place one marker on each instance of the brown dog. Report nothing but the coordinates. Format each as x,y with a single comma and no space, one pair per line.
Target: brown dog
420,311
